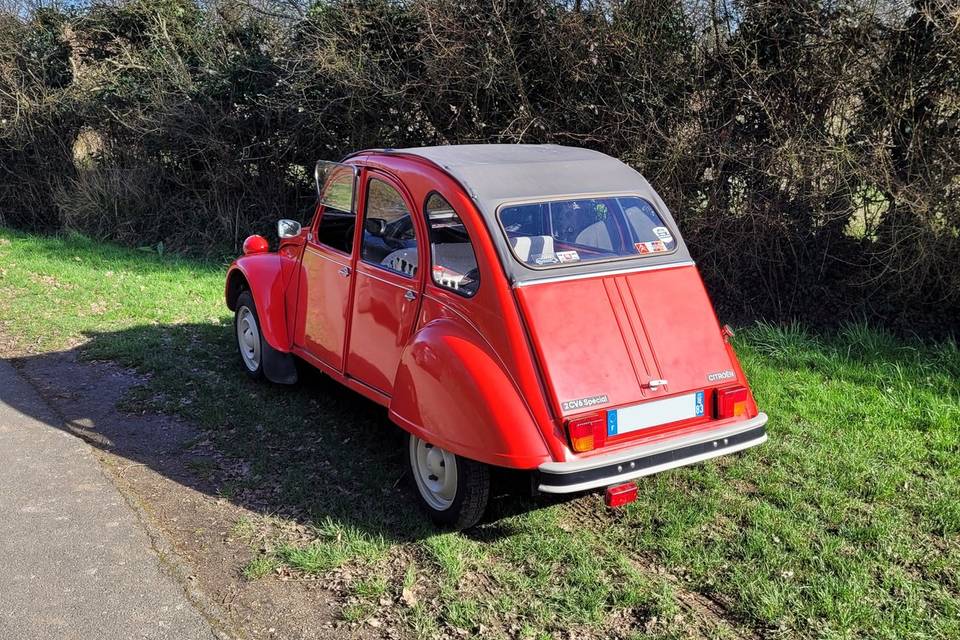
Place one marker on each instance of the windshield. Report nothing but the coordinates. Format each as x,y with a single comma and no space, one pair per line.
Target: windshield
544,234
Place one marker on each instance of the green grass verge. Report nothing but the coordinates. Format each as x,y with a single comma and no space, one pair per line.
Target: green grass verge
845,524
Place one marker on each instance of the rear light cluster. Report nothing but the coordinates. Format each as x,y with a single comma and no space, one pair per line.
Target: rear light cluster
730,403
588,432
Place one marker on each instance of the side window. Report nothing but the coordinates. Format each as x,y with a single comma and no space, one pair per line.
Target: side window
388,234
454,261
338,220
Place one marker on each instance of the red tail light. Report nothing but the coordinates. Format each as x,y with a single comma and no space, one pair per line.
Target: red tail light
588,432
731,402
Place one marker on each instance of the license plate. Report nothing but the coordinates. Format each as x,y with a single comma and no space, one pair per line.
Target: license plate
653,413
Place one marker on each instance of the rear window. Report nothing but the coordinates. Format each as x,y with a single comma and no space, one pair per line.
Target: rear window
545,234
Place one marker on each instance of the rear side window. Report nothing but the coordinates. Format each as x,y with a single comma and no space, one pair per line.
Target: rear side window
454,260
545,234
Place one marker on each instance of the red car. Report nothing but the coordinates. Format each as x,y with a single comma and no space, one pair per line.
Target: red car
532,307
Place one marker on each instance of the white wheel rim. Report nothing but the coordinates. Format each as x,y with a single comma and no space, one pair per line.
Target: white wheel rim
435,472
248,338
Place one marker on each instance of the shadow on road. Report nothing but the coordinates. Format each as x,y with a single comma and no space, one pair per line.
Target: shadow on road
311,454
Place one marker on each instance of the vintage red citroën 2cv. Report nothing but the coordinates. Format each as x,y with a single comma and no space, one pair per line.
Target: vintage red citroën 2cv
532,307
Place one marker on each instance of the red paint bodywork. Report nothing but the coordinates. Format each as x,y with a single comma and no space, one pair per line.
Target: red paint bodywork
263,275
485,377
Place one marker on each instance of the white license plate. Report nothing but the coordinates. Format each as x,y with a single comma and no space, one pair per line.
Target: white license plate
653,413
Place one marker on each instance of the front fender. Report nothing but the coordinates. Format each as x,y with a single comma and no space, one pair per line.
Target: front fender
452,391
263,275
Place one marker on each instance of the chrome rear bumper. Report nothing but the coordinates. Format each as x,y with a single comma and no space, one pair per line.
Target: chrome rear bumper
647,459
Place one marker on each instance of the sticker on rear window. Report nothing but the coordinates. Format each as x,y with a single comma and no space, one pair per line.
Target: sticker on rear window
545,260
656,246
584,403
568,256
663,233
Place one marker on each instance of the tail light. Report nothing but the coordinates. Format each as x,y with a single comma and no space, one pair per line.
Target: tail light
588,432
731,402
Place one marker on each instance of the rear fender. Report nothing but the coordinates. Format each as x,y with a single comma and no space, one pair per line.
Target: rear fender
452,391
262,275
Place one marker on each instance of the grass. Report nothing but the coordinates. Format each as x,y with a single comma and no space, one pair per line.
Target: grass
260,566
336,544
845,524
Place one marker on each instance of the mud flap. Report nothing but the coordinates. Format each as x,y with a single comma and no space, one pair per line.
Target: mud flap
278,367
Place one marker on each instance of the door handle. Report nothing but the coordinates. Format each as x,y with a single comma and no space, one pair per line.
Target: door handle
410,295
653,384
344,271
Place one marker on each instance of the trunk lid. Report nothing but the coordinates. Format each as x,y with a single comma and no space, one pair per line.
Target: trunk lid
600,341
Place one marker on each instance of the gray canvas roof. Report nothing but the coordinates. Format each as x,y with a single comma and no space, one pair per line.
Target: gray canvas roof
494,174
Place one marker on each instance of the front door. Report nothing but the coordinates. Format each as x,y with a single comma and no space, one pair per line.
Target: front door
388,284
326,274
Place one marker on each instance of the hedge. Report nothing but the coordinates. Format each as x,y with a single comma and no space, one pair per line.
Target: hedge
810,150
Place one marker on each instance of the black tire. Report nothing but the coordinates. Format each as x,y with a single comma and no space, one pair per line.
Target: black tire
472,492
245,301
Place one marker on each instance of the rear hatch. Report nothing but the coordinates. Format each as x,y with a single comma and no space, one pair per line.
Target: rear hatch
645,346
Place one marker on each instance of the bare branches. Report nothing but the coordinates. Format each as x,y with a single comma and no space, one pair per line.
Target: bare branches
809,148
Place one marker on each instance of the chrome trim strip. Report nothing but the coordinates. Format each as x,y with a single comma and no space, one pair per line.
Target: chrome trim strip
609,480
599,274
643,450
320,253
413,282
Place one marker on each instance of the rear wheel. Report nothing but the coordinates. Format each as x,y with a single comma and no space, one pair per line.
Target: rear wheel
249,340
452,489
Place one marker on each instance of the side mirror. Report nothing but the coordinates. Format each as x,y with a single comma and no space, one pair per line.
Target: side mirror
288,228
375,226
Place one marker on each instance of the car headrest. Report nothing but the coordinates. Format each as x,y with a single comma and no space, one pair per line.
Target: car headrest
596,235
526,246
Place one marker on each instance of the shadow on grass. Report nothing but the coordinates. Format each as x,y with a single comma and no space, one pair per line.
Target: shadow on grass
312,453
315,452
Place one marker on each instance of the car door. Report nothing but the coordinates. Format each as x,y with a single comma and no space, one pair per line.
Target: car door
326,272
388,283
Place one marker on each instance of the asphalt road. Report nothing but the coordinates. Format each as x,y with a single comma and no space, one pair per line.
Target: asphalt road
75,562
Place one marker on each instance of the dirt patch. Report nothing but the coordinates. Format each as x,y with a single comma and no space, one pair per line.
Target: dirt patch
49,281
171,473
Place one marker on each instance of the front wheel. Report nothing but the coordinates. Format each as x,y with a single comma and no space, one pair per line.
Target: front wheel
452,489
246,324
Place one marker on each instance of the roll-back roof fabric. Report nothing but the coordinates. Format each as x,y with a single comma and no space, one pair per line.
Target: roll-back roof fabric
495,174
